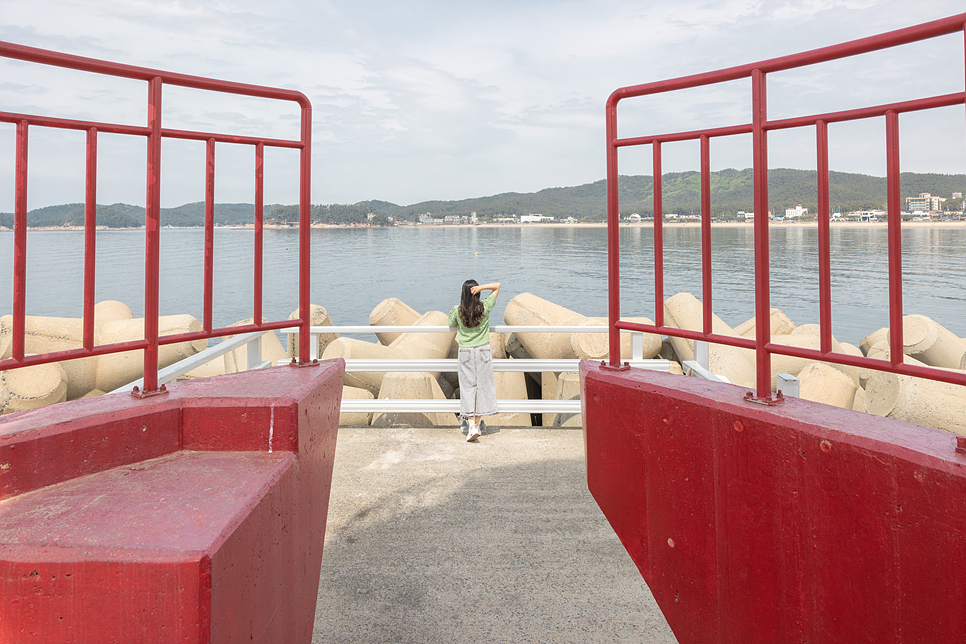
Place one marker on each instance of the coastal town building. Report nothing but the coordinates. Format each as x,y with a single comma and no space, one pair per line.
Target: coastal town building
532,218
797,211
925,202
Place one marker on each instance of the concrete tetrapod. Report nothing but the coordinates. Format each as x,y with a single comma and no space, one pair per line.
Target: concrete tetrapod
813,331
318,316
111,311
821,382
873,339
528,309
426,345
32,387
568,388
46,335
596,346
411,386
548,391
858,403
917,400
350,348
407,345
510,385
929,342
684,311
781,324
355,418
392,312
271,349
118,369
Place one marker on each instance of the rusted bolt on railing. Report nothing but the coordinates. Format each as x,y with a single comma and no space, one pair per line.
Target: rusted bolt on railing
961,444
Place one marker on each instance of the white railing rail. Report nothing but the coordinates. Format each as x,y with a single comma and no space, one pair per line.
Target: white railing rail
178,369
697,367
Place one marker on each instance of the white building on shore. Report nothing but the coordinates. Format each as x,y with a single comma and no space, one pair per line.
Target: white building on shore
531,218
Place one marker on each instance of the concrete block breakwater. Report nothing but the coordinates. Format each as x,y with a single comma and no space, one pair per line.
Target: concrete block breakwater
907,398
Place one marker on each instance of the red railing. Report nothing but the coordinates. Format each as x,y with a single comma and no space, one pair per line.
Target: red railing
154,134
759,128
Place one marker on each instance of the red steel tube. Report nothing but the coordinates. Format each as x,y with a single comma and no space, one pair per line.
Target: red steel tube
942,27
734,341
209,269
715,132
656,171
152,238
259,213
90,237
72,124
613,241
57,356
229,138
824,252
82,63
20,244
234,330
894,225
762,283
917,105
706,233
305,234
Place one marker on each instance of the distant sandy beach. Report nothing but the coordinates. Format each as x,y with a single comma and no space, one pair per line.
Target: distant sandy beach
595,224
690,224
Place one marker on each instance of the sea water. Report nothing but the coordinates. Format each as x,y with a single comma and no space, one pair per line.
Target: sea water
353,269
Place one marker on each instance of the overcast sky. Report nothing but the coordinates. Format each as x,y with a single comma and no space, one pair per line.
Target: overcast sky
417,100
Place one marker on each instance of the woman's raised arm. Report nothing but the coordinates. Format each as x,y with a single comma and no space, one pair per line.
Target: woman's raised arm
493,286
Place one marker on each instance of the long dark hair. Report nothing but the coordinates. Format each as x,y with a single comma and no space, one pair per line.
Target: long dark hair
471,308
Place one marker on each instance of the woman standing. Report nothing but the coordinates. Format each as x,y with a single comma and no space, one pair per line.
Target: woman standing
471,317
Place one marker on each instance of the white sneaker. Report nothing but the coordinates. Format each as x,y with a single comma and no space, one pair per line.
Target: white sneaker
473,434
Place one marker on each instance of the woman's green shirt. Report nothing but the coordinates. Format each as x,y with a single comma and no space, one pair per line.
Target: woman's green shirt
478,335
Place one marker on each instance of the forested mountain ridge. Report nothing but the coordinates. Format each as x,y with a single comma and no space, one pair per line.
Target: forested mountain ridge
731,191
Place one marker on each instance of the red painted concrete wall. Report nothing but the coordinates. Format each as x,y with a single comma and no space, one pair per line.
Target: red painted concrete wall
195,516
794,523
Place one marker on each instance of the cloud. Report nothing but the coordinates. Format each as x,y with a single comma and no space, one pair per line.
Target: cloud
424,99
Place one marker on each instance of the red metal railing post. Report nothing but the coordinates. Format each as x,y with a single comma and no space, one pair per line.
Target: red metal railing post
259,208
20,245
657,173
613,238
209,268
706,232
894,225
824,252
762,284
152,235
305,236
90,237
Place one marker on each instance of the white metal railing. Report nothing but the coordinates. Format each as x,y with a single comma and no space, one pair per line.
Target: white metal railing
697,367
178,369
530,365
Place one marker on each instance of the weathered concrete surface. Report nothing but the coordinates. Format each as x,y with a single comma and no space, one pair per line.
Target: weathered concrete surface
432,539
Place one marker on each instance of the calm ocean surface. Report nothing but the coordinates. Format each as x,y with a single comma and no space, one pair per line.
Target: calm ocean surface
354,269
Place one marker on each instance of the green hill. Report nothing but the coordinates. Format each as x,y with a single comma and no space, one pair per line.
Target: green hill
731,191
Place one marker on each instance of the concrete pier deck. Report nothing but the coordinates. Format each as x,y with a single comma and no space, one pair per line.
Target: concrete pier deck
432,539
